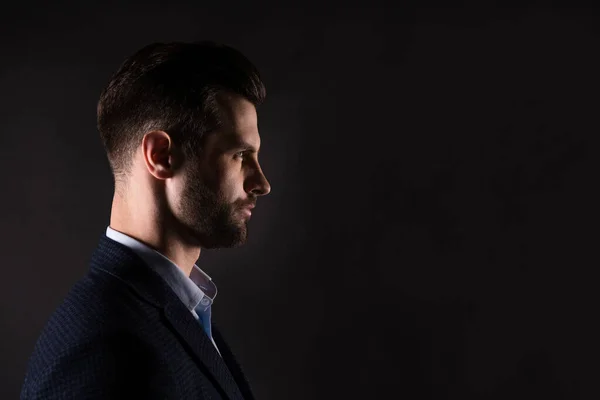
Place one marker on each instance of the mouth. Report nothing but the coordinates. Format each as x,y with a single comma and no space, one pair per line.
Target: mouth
247,210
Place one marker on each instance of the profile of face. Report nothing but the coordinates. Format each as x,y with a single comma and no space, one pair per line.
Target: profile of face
212,196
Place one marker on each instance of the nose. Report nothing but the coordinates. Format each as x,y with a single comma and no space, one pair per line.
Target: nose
258,183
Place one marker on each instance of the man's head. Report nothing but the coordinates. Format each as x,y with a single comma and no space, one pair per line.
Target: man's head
179,125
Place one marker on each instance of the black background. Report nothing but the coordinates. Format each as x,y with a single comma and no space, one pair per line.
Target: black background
430,230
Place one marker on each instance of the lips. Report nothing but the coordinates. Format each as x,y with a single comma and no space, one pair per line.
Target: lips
247,210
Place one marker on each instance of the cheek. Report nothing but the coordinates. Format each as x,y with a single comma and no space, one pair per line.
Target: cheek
230,181
230,188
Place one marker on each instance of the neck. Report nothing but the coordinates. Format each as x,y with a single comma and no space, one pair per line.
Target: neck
144,221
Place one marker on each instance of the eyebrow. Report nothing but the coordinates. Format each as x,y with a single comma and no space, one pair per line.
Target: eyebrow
242,144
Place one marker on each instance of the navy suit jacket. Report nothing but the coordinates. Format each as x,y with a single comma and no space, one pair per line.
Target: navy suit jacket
122,333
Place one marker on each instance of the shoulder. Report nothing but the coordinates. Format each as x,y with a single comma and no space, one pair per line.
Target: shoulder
100,331
99,298
97,306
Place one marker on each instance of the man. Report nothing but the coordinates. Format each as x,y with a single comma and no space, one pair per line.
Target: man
179,125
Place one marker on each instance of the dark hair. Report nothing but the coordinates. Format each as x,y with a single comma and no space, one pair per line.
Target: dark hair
171,87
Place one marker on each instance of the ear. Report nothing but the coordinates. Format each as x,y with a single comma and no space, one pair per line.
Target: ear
157,151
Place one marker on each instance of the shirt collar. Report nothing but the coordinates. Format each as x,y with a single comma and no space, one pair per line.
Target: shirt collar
197,291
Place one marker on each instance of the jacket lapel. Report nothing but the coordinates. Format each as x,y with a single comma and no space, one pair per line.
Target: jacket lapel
231,361
201,347
121,262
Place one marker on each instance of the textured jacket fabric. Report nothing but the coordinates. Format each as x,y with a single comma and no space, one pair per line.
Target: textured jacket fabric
122,333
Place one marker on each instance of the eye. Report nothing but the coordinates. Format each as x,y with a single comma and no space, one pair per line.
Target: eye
239,155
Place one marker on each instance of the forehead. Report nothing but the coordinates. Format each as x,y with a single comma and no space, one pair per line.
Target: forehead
239,122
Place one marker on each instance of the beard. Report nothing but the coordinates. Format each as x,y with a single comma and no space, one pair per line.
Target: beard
210,221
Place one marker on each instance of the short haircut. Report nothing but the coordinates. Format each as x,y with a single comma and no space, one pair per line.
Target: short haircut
171,87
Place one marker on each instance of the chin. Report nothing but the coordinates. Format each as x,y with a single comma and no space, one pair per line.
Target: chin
214,244
224,239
